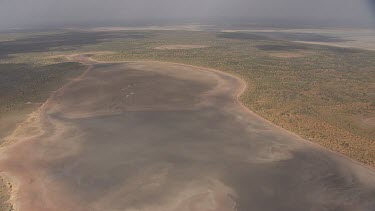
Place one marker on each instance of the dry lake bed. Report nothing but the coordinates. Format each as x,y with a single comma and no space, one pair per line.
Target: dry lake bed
167,137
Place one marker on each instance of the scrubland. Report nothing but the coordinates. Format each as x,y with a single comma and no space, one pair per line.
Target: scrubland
324,94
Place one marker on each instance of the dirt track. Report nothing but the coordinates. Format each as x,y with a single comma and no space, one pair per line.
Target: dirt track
154,136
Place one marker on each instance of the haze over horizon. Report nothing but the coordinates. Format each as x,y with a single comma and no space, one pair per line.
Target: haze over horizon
29,13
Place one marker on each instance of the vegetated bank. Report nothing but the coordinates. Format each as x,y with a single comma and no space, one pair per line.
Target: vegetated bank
325,94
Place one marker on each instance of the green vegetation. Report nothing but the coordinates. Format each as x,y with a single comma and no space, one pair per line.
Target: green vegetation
324,94
27,78
24,87
29,72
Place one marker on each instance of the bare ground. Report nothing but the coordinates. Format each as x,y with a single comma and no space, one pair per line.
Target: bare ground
158,136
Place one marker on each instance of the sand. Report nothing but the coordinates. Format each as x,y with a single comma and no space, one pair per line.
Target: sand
169,137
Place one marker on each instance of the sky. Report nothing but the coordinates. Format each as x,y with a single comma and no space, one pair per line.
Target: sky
23,13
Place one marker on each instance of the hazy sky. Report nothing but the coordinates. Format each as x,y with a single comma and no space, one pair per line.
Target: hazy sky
20,13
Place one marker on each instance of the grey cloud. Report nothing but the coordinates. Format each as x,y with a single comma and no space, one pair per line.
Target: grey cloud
15,13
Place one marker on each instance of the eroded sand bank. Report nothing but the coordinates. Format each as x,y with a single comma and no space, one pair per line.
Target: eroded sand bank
155,136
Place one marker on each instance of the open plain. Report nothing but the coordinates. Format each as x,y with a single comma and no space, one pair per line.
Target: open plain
162,136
